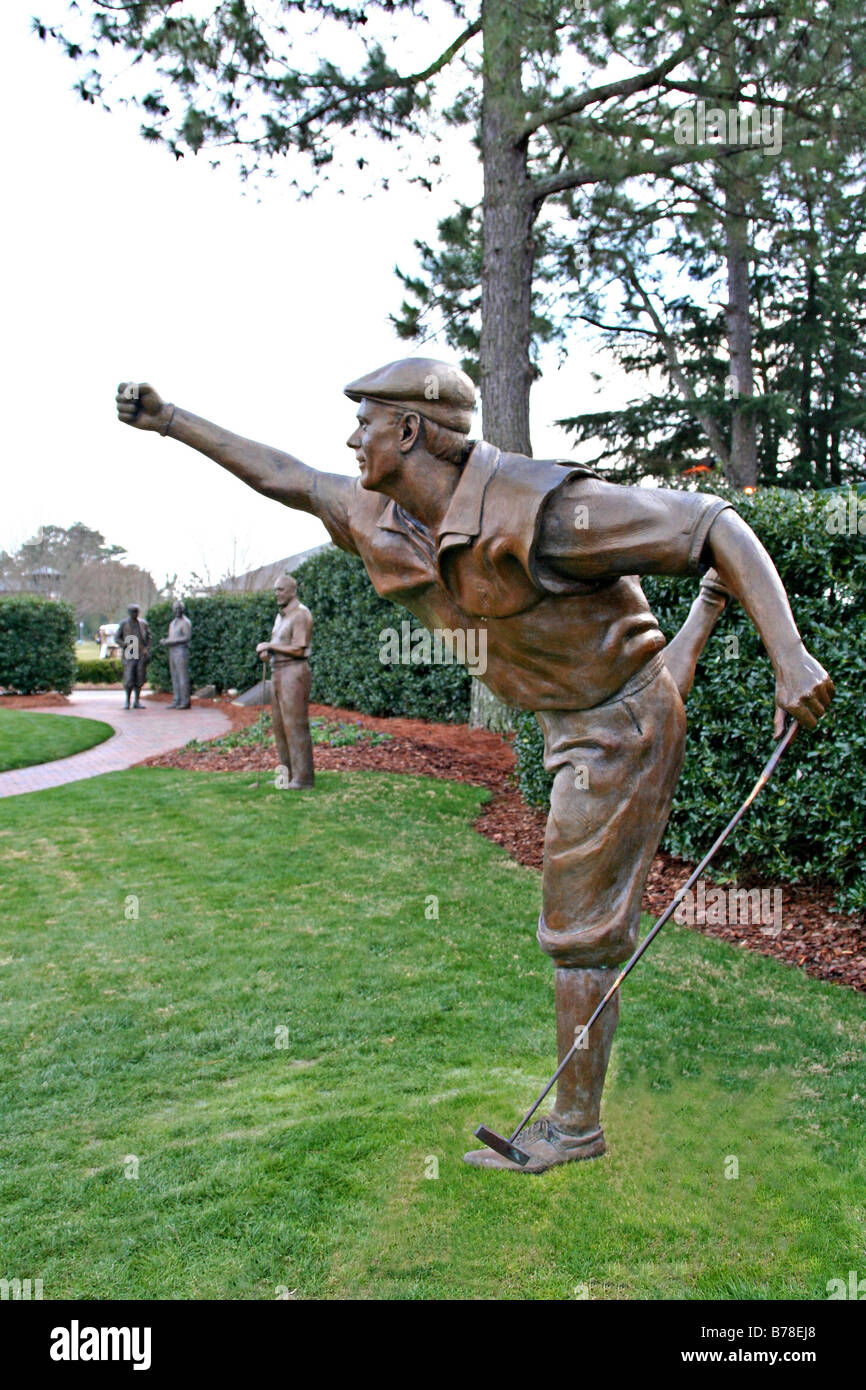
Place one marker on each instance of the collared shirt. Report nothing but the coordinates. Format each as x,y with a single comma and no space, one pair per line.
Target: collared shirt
542,557
294,628
180,630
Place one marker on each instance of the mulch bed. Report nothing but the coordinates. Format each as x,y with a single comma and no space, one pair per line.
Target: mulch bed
50,697
824,943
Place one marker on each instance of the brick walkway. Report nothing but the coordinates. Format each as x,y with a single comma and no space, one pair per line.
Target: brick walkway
138,734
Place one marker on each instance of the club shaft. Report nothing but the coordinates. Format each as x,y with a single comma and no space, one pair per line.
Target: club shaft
762,781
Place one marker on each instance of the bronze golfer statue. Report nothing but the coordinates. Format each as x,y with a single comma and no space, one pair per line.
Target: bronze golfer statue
177,641
545,558
289,652
133,638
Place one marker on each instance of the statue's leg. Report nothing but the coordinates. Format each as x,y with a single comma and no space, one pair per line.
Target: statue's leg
173,670
298,723
615,770
183,677
128,678
578,1091
278,719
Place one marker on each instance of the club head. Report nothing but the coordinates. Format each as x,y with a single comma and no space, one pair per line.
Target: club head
502,1146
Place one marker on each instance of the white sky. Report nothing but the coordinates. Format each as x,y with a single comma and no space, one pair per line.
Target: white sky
122,263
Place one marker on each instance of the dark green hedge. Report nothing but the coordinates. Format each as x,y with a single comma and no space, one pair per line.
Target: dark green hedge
106,671
811,821
225,630
37,644
348,616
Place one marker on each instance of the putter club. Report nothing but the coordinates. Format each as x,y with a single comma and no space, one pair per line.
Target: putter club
507,1147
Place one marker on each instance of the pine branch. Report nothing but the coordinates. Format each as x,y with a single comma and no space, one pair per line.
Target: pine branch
576,178
678,377
349,91
624,87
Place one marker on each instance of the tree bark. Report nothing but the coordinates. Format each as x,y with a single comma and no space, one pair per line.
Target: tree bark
744,451
805,422
742,469
508,214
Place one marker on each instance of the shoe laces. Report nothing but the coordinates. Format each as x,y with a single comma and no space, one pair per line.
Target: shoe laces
541,1129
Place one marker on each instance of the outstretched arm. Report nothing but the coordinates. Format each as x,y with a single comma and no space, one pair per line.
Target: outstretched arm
803,687
593,530
268,470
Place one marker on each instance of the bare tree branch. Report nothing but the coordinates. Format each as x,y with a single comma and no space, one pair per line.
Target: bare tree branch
575,178
678,377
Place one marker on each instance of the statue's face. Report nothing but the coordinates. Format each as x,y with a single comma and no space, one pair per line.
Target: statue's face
376,443
178,610
132,610
285,590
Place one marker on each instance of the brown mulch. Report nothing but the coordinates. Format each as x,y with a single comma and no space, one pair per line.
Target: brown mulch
49,697
814,937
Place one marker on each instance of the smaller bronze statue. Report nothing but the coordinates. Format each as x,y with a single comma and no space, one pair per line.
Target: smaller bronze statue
289,650
177,641
133,638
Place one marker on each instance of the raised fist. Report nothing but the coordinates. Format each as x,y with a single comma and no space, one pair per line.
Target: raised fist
139,405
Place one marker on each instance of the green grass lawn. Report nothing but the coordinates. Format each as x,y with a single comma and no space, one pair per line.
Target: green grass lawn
27,738
87,651
283,1047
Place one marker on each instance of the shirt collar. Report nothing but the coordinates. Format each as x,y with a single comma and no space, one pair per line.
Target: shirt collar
462,519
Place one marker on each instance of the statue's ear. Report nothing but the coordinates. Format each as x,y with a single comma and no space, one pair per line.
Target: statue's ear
410,428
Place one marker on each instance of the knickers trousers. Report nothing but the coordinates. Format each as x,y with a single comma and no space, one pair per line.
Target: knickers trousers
291,720
615,769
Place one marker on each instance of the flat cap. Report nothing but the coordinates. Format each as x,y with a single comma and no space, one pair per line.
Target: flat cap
438,390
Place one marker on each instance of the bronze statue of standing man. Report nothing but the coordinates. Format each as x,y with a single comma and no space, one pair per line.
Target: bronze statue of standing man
289,652
177,641
133,638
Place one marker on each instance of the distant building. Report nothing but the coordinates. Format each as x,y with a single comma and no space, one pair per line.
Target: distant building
44,580
265,576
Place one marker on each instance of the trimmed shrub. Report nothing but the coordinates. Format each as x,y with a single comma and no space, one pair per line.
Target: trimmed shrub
348,617
37,644
105,671
225,630
811,820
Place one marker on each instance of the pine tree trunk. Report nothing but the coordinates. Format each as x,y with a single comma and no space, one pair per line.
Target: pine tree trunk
744,439
507,265
508,251
743,467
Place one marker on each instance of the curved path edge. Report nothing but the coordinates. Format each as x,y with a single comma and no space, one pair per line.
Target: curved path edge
138,734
